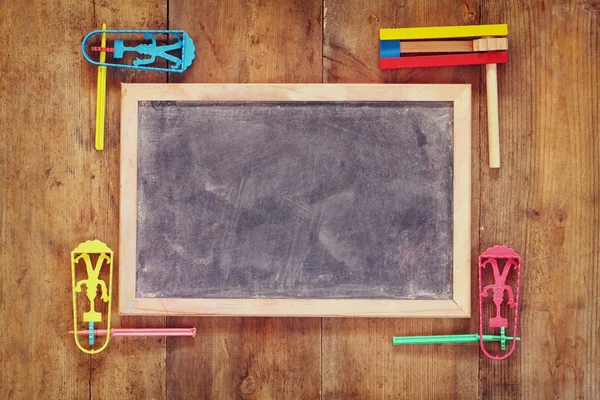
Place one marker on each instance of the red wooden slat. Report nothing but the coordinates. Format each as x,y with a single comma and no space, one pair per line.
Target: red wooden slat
446,60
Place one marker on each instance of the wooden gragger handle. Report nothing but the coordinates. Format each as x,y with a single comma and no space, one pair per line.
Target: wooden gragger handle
492,109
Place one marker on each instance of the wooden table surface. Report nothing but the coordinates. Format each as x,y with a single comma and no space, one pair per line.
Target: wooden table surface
57,191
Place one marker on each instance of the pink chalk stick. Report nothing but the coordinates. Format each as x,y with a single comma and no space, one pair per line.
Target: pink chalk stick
142,332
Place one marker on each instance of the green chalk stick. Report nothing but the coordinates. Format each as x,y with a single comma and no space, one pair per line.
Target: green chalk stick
441,339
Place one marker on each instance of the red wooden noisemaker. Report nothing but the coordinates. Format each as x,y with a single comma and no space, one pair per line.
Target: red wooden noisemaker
478,44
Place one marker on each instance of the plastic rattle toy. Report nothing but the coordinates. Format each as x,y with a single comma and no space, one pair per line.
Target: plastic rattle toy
178,52
92,282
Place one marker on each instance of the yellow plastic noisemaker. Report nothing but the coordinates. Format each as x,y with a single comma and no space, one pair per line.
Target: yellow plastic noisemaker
92,282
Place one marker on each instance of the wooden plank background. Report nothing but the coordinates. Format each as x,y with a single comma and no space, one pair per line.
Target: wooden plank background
56,191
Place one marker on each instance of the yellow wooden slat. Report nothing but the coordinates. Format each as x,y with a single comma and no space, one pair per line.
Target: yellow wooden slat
443,32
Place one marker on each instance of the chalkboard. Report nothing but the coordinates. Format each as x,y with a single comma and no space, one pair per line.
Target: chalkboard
294,200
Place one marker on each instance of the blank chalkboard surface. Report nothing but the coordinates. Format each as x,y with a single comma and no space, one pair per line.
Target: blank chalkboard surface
264,204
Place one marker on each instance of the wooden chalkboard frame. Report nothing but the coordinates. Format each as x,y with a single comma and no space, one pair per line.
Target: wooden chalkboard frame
458,94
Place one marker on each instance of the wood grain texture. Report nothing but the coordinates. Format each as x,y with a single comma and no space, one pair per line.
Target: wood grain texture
245,358
251,41
254,42
140,361
544,202
42,158
544,199
359,360
57,192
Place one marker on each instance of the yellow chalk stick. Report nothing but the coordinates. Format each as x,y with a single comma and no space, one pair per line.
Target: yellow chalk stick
443,32
101,97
